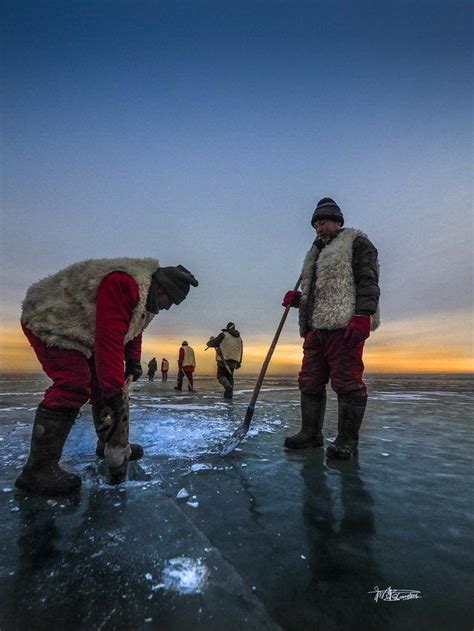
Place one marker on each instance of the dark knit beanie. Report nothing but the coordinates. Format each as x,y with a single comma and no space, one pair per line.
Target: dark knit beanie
175,281
327,209
230,325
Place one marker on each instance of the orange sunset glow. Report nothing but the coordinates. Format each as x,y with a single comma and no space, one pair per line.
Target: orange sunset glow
419,345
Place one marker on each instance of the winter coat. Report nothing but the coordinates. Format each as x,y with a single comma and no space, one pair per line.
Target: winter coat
61,309
230,344
339,280
165,365
186,357
152,365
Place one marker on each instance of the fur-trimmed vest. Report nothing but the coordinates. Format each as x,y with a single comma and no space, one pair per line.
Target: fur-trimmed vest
231,347
189,358
334,290
60,309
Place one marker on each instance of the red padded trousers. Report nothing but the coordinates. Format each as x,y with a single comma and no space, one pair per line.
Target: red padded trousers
326,355
73,375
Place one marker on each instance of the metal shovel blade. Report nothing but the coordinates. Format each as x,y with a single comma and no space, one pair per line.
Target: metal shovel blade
235,440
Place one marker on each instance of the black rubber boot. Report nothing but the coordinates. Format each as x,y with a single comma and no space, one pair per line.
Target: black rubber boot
42,474
101,431
350,414
313,407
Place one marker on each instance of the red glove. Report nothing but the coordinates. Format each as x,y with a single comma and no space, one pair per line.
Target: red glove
357,330
291,299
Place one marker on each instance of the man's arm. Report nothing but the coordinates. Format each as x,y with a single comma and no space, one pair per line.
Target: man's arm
214,342
117,297
133,349
366,276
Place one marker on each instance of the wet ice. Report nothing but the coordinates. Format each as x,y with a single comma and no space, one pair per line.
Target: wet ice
195,539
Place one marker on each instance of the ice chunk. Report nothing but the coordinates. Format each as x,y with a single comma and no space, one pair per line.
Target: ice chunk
182,494
200,467
185,575
193,504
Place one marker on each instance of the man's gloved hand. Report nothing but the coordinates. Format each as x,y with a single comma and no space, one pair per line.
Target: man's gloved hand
291,299
115,408
238,366
357,330
134,368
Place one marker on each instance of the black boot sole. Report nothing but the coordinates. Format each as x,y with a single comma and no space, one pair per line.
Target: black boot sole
39,490
311,446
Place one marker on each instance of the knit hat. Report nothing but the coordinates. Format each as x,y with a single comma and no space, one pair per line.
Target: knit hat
175,281
230,325
184,343
327,209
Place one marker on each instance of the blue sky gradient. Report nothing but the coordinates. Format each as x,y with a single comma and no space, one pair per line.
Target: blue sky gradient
204,133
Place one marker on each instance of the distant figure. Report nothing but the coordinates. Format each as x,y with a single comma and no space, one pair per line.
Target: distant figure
338,308
165,365
229,350
186,366
84,323
152,368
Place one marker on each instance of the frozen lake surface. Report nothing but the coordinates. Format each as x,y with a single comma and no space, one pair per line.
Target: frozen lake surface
262,539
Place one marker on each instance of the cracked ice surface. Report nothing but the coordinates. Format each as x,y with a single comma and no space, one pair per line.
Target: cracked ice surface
262,539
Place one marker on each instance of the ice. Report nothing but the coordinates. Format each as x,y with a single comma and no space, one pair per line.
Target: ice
200,467
185,576
262,539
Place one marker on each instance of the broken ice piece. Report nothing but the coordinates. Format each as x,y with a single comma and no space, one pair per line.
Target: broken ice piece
200,467
148,576
51,502
182,494
193,504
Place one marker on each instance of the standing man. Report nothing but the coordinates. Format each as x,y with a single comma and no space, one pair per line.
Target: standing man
84,323
229,350
338,307
165,365
152,368
186,366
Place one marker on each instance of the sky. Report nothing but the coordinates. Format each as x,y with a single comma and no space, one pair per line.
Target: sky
203,133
